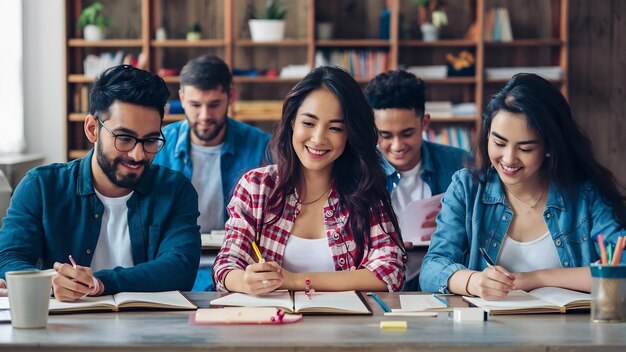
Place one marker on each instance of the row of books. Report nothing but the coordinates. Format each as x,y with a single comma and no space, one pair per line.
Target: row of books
498,25
93,65
459,137
360,63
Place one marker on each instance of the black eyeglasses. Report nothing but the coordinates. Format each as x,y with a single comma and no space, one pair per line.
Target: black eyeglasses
126,143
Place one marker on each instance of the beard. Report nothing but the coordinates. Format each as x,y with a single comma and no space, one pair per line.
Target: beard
218,126
109,167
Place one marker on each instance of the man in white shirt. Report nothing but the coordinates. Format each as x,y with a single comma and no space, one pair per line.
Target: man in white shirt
416,169
208,147
111,221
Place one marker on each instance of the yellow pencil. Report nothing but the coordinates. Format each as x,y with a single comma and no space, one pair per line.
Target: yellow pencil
258,252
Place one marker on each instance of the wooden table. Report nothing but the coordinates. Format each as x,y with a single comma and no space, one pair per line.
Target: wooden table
170,331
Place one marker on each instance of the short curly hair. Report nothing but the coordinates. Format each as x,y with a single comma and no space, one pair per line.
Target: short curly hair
397,90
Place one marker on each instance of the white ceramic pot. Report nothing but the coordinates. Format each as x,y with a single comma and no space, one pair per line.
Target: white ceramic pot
430,33
193,36
324,30
267,30
91,32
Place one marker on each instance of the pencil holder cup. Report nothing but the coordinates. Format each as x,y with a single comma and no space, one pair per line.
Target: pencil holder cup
608,293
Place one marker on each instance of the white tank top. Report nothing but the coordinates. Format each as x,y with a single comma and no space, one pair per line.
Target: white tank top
518,257
308,255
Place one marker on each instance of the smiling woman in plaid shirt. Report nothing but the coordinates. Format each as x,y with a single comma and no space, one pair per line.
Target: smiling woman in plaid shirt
322,211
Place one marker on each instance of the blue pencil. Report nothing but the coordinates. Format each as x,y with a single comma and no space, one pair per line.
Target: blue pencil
441,299
380,302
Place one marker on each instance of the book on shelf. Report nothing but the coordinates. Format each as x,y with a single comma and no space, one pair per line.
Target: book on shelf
359,63
344,302
541,300
498,25
547,72
169,300
458,137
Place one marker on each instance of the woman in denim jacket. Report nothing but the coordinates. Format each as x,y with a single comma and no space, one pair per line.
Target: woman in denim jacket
534,205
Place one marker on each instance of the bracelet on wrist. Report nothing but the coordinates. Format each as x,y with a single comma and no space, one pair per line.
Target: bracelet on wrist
468,282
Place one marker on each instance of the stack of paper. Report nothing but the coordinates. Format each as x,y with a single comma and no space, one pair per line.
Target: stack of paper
294,71
439,109
547,72
464,109
432,71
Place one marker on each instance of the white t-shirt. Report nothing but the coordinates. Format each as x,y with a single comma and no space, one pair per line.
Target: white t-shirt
410,188
207,180
113,248
308,255
519,257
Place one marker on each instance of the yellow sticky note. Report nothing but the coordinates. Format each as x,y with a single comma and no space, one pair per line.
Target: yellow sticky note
393,325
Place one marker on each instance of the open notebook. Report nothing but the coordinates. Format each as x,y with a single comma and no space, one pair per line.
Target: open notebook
172,300
345,302
541,300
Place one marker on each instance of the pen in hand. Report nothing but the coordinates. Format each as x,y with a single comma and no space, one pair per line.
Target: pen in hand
490,263
72,261
95,286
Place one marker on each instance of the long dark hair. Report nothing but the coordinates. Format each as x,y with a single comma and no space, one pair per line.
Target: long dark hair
357,174
571,160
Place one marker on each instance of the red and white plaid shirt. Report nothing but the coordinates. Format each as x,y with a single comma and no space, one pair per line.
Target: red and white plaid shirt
246,209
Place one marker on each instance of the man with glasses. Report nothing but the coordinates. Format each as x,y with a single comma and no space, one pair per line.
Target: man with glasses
127,225
208,147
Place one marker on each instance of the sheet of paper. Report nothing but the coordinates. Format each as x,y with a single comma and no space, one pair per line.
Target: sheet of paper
413,216
515,299
347,301
416,303
165,299
84,302
560,296
272,299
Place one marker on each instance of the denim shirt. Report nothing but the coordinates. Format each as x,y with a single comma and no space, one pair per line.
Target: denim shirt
439,163
475,215
55,212
243,150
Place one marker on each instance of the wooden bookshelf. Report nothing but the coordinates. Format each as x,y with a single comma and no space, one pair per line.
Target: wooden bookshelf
540,36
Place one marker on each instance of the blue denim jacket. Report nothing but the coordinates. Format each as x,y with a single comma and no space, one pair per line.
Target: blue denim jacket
439,163
477,215
244,149
55,212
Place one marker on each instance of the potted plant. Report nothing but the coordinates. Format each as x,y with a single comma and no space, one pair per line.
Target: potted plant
193,32
268,26
93,22
431,18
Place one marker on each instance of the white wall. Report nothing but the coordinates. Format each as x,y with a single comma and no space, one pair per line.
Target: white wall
44,78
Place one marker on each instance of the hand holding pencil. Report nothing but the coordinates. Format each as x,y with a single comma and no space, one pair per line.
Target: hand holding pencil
262,277
73,282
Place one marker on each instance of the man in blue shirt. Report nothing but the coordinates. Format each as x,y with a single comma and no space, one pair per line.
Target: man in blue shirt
129,225
415,169
208,147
